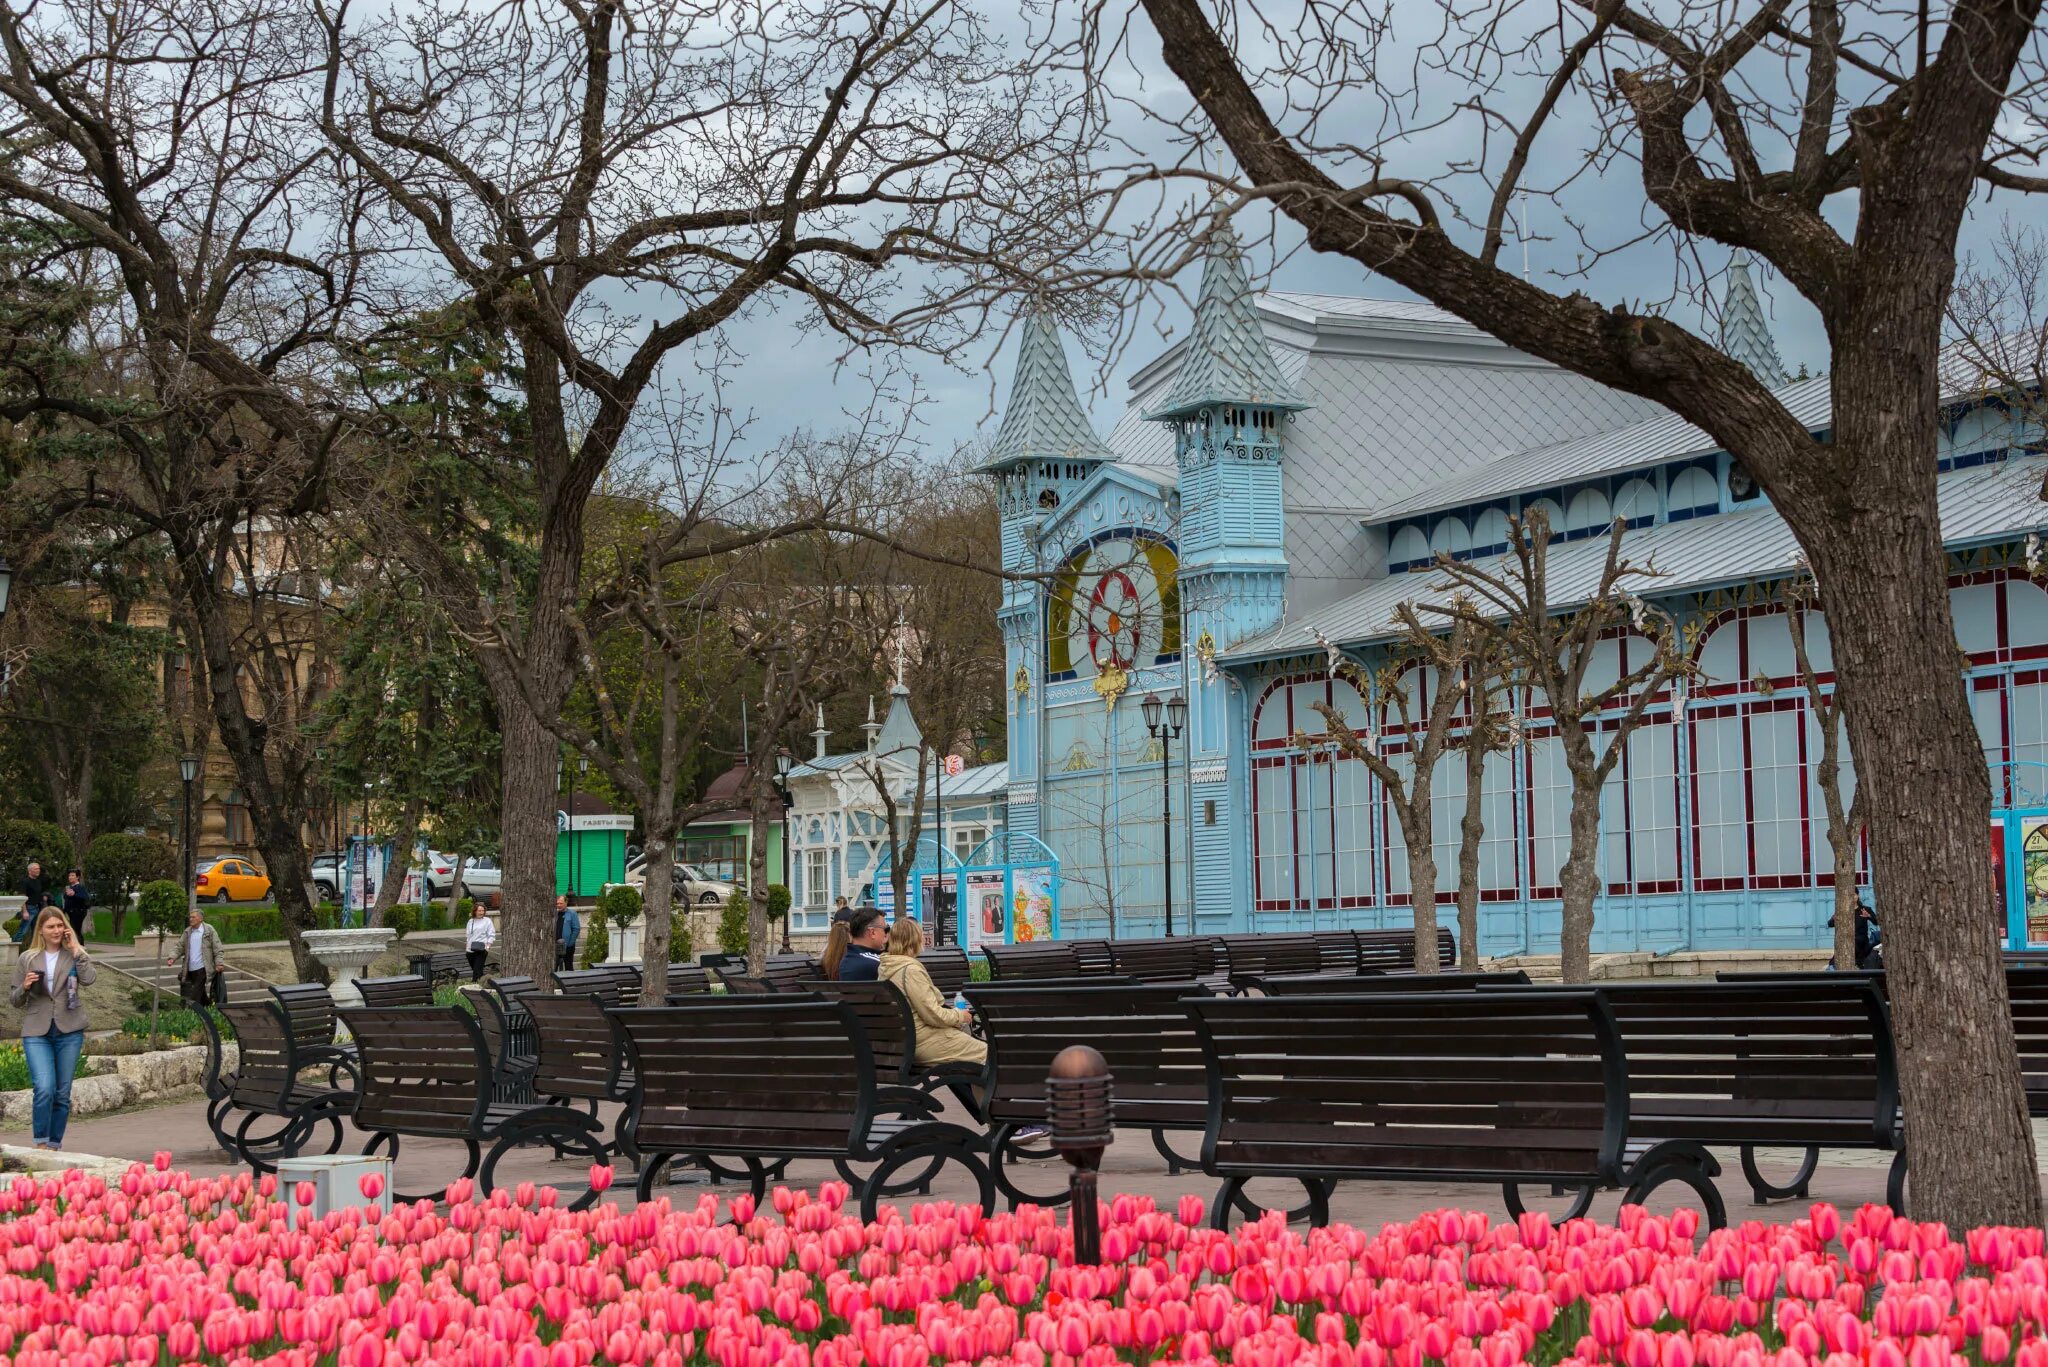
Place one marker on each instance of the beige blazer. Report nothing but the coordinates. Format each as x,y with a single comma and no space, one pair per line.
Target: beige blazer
40,1007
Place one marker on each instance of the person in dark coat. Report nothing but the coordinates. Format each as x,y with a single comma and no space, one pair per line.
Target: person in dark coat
866,934
77,902
35,892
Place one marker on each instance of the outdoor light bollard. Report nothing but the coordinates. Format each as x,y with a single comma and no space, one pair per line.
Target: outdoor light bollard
1080,1105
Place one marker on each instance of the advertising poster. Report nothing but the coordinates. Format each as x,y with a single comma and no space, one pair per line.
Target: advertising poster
986,921
1033,915
937,903
2034,877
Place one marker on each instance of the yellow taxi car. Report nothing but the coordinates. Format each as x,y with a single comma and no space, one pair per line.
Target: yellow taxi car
231,880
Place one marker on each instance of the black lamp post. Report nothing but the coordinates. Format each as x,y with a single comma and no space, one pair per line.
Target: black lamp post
784,762
362,911
1080,1107
188,773
6,583
1165,732
576,845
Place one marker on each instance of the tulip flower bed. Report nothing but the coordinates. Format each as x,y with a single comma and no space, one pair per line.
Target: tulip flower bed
164,1267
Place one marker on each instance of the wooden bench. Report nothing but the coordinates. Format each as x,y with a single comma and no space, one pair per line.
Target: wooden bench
309,1014
613,984
1308,984
266,1084
892,1037
1503,1087
1175,959
1047,959
217,1084
445,965
1268,955
509,1043
406,989
778,975
950,968
426,1074
581,1057
686,980
1141,1029
768,1079
1394,950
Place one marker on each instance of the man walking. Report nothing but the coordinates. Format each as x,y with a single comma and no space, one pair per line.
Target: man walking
35,894
77,902
568,930
198,958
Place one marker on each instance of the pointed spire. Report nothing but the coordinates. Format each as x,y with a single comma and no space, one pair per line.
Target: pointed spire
1044,419
1227,361
871,727
822,734
902,685
1745,335
900,734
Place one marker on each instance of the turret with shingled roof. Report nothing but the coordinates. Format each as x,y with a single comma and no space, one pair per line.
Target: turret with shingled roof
1745,335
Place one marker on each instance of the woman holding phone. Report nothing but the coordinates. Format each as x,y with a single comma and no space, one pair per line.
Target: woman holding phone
47,979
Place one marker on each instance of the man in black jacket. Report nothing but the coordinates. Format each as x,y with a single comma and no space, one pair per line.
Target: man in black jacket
35,892
866,934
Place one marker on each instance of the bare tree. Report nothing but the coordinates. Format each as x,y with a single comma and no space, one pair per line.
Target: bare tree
1999,316
1438,665
1845,818
1551,647
1750,126
1486,733
548,160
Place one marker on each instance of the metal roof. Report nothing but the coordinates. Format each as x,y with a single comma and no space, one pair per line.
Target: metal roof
1226,360
1745,334
983,780
1653,441
1985,503
1044,419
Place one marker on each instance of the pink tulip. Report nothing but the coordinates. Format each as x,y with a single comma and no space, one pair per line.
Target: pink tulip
372,1185
305,1193
600,1177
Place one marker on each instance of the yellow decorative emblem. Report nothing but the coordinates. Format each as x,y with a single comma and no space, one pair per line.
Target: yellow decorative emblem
1110,684
1022,685
1205,648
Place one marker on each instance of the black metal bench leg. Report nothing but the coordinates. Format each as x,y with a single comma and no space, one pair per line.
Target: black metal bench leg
1761,1188
1687,1164
893,1160
1895,1185
568,1133
1582,1200
1176,1164
1001,1160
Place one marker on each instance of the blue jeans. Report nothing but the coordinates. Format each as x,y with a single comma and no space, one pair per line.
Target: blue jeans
52,1059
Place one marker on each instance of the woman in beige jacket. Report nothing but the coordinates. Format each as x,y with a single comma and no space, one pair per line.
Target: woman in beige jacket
941,1027
47,979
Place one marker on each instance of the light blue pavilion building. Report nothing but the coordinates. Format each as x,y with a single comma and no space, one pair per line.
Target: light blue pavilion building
1286,475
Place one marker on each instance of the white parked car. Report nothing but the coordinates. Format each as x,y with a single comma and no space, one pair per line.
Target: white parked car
692,884
481,875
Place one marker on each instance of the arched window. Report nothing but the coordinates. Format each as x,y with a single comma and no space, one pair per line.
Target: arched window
1551,511
1589,513
1490,532
1451,537
1409,548
1694,493
1636,502
1313,843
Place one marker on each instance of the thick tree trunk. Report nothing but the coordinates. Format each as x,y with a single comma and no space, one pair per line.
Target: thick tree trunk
1846,901
455,888
529,755
1470,831
657,904
404,838
757,874
1882,571
1414,816
1579,881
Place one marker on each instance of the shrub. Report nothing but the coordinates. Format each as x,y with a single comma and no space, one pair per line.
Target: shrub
178,1023
403,918
977,969
732,923
465,907
451,994
21,841
778,901
619,906
160,906
597,942
250,927
116,865
681,945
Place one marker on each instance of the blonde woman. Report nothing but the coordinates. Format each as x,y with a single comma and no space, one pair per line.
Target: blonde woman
941,1027
52,968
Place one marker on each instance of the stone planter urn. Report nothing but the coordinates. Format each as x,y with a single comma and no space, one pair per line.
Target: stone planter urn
346,953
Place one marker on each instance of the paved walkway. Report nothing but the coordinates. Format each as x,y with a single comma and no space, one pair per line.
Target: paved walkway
1846,1178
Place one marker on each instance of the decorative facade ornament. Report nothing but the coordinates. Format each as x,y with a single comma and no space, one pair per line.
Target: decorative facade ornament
1022,684
1152,753
1205,651
1110,683
1078,758
2033,555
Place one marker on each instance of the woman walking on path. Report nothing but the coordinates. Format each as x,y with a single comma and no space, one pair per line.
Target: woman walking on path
478,937
47,980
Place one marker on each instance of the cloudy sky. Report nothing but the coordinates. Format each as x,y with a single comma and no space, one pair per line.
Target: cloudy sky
789,378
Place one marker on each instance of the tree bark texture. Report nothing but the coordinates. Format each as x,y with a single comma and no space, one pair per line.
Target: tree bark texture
657,904
1470,830
402,841
1883,574
527,828
1417,834
757,872
1579,879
